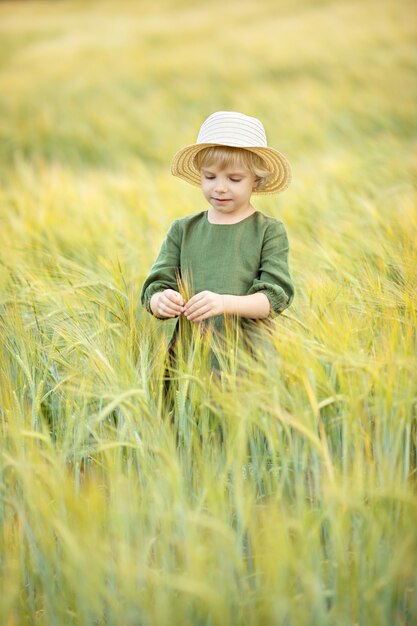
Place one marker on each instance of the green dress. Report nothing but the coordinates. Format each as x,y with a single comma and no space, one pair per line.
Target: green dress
247,257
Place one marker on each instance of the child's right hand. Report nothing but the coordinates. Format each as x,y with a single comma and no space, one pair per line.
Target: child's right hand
167,303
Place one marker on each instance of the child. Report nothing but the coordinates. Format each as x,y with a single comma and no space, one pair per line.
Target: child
235,256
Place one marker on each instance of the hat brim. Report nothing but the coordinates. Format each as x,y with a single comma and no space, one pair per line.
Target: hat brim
183,166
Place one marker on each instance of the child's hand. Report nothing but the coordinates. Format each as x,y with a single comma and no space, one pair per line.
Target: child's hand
203,305
167,303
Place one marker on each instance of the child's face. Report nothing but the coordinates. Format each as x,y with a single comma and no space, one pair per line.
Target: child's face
228,190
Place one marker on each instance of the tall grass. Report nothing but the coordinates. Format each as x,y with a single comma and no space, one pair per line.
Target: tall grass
282,491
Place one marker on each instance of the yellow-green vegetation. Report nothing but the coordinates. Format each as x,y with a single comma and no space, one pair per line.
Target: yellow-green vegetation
284,491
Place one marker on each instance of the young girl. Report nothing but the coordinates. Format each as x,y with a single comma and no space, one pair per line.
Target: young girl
235,256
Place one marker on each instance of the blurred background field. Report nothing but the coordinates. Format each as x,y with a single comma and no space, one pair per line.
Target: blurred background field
287,493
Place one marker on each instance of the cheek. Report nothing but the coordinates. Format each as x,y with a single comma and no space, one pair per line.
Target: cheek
207,192
242,191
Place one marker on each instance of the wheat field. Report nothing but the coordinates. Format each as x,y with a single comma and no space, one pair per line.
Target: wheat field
284,492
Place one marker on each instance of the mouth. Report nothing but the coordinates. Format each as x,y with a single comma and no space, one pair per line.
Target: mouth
222,199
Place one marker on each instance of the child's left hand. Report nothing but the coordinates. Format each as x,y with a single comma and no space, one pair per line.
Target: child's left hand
204,305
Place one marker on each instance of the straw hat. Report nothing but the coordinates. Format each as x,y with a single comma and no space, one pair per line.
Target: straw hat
229,128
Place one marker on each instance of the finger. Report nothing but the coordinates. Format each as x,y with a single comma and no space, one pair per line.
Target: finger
201,317
174,308
194,309
179,299
163,313
172,304
167,310
174,296
192,306
195,299
200,311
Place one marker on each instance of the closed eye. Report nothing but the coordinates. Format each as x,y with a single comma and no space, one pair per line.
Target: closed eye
234,180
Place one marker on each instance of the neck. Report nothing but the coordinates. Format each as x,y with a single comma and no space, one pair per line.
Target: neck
214,218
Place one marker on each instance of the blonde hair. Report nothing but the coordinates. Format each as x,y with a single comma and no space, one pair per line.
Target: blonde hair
228,156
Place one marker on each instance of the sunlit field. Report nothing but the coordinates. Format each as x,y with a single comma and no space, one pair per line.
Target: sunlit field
282,492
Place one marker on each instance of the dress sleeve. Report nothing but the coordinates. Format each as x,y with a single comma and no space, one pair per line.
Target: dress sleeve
163,272
274,278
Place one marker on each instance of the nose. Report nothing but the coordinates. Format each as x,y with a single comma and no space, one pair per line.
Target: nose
221,186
